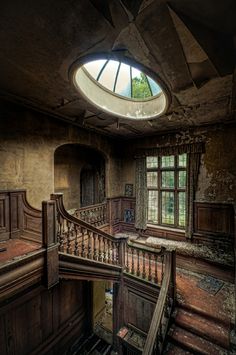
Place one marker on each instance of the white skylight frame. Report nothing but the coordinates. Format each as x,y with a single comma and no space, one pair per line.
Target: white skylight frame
115,103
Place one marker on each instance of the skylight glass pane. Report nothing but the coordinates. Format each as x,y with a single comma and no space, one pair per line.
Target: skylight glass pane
140,87
123,84
154,86
95,67
108,75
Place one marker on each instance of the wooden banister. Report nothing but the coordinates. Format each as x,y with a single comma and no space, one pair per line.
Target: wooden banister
160,321
80,238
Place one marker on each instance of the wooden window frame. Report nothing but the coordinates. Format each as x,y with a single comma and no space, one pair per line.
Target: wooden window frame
176,189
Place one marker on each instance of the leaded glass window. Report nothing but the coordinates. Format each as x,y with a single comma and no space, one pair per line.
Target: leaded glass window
166,184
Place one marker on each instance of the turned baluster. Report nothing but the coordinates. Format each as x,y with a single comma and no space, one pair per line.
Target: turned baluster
83,245
138,263
109,251
156,275
76,251
149,267
95,255
117,253
144,266
60,235
89,251
132,261
113,253
104,250
127,258
99,248
68,239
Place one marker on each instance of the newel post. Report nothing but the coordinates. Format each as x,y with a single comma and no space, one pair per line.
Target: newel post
50,242
121,248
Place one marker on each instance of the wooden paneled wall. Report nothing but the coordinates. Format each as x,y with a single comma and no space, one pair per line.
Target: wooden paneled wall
117,207
42,321
139,303
213,222
18,218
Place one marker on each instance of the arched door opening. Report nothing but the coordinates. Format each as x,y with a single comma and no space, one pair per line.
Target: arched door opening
79,173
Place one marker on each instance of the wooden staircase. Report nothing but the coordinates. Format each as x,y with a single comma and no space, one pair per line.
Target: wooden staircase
90,345
193,333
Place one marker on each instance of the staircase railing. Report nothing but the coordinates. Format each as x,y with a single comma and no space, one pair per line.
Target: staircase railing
77,237
95,215
146,263
160,322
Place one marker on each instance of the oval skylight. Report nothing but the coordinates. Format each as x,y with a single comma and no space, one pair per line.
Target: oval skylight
120,89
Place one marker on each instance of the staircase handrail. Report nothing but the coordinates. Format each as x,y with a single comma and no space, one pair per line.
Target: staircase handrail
119,241
166,300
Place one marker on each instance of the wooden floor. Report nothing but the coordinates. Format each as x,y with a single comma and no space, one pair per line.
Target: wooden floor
16,248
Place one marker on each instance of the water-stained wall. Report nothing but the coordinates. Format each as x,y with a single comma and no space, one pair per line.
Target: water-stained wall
28,141
217,176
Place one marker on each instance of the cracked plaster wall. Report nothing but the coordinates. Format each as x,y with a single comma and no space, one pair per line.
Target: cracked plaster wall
217,176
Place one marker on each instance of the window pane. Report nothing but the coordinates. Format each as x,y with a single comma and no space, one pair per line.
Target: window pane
168,161
182,207
152,206
152,179
182,179
123,84
167,206
182,160
140,86
95,67
154,86
168,179
108,75
152,162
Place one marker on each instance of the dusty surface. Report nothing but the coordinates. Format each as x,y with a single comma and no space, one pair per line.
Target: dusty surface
16,248
197,250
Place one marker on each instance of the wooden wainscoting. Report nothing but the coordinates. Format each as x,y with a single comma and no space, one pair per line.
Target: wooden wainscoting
42,321
18,218
213,222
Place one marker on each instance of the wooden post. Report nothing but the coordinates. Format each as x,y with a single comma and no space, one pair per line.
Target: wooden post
50,243
122,247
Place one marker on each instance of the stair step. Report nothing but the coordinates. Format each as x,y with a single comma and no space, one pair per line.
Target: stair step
173,349
216,332
193,342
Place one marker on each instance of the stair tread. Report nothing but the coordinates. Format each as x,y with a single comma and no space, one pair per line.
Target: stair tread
173,349
211,330
193,342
